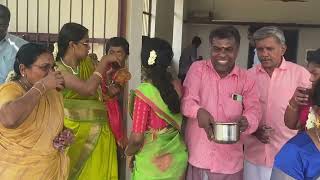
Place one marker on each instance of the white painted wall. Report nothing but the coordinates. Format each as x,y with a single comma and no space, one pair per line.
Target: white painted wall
260,10
256,11
309,38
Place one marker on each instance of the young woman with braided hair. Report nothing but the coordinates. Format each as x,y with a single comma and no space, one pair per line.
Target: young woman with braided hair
155,145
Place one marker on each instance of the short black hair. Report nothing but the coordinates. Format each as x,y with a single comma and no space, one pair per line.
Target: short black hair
196,40
225,32
118,42
27,55
313,56
156,71
4,12
316,94
69,32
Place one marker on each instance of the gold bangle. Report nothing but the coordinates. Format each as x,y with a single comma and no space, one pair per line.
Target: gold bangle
125,152
37,90
98,74
292,108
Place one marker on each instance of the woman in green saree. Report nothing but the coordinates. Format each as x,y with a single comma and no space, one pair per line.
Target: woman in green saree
156,149
93,153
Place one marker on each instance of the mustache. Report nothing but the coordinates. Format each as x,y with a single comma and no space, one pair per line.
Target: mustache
265,59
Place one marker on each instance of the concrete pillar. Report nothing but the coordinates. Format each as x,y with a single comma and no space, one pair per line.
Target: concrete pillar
164,19
177,32
153,18
134,37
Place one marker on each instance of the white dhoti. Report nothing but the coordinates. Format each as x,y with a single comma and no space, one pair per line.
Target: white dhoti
256,172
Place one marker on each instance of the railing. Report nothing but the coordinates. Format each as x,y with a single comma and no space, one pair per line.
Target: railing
40,21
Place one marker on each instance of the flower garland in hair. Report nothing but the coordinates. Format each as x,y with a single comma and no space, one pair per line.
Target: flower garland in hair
152,57
313,119
10,76
55,50
317,122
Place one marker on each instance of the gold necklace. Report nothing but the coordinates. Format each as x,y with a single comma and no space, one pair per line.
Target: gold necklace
23,85
73,71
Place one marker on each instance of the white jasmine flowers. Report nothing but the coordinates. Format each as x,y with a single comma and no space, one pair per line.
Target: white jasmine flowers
10,76
311,121
55,50
152,57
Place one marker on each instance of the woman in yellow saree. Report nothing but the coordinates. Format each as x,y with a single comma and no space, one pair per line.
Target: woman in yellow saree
93,153
31,117
156,149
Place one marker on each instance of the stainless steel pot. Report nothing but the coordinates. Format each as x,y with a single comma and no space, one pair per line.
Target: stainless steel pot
226,133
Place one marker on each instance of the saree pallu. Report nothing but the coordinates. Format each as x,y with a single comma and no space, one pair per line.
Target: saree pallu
163,157
27,151
164,154
114,111
93,154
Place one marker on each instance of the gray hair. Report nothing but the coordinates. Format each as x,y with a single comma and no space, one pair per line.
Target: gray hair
269,31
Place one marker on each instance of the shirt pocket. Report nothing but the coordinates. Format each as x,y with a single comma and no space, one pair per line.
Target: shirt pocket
232,108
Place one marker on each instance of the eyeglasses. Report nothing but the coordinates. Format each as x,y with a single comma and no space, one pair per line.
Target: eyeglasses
85,43
46,67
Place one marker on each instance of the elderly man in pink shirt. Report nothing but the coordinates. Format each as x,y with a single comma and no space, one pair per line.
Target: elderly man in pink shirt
216,90
277,80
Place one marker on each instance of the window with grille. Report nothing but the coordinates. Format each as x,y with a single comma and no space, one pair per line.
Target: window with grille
146,17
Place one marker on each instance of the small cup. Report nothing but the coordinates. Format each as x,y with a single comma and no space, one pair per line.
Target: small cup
307,91
115,65
226,133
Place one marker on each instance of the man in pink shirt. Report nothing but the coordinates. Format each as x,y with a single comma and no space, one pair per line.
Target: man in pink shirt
216,90
277,80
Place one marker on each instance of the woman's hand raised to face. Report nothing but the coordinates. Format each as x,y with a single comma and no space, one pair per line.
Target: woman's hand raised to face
111,59
54,80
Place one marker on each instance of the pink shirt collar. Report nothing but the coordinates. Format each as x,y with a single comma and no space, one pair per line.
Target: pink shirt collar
283,66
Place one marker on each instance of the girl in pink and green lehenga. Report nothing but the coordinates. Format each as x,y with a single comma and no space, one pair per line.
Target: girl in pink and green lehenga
156,150
93,153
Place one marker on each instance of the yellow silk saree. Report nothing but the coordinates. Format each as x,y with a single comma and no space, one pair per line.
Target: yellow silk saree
27,152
